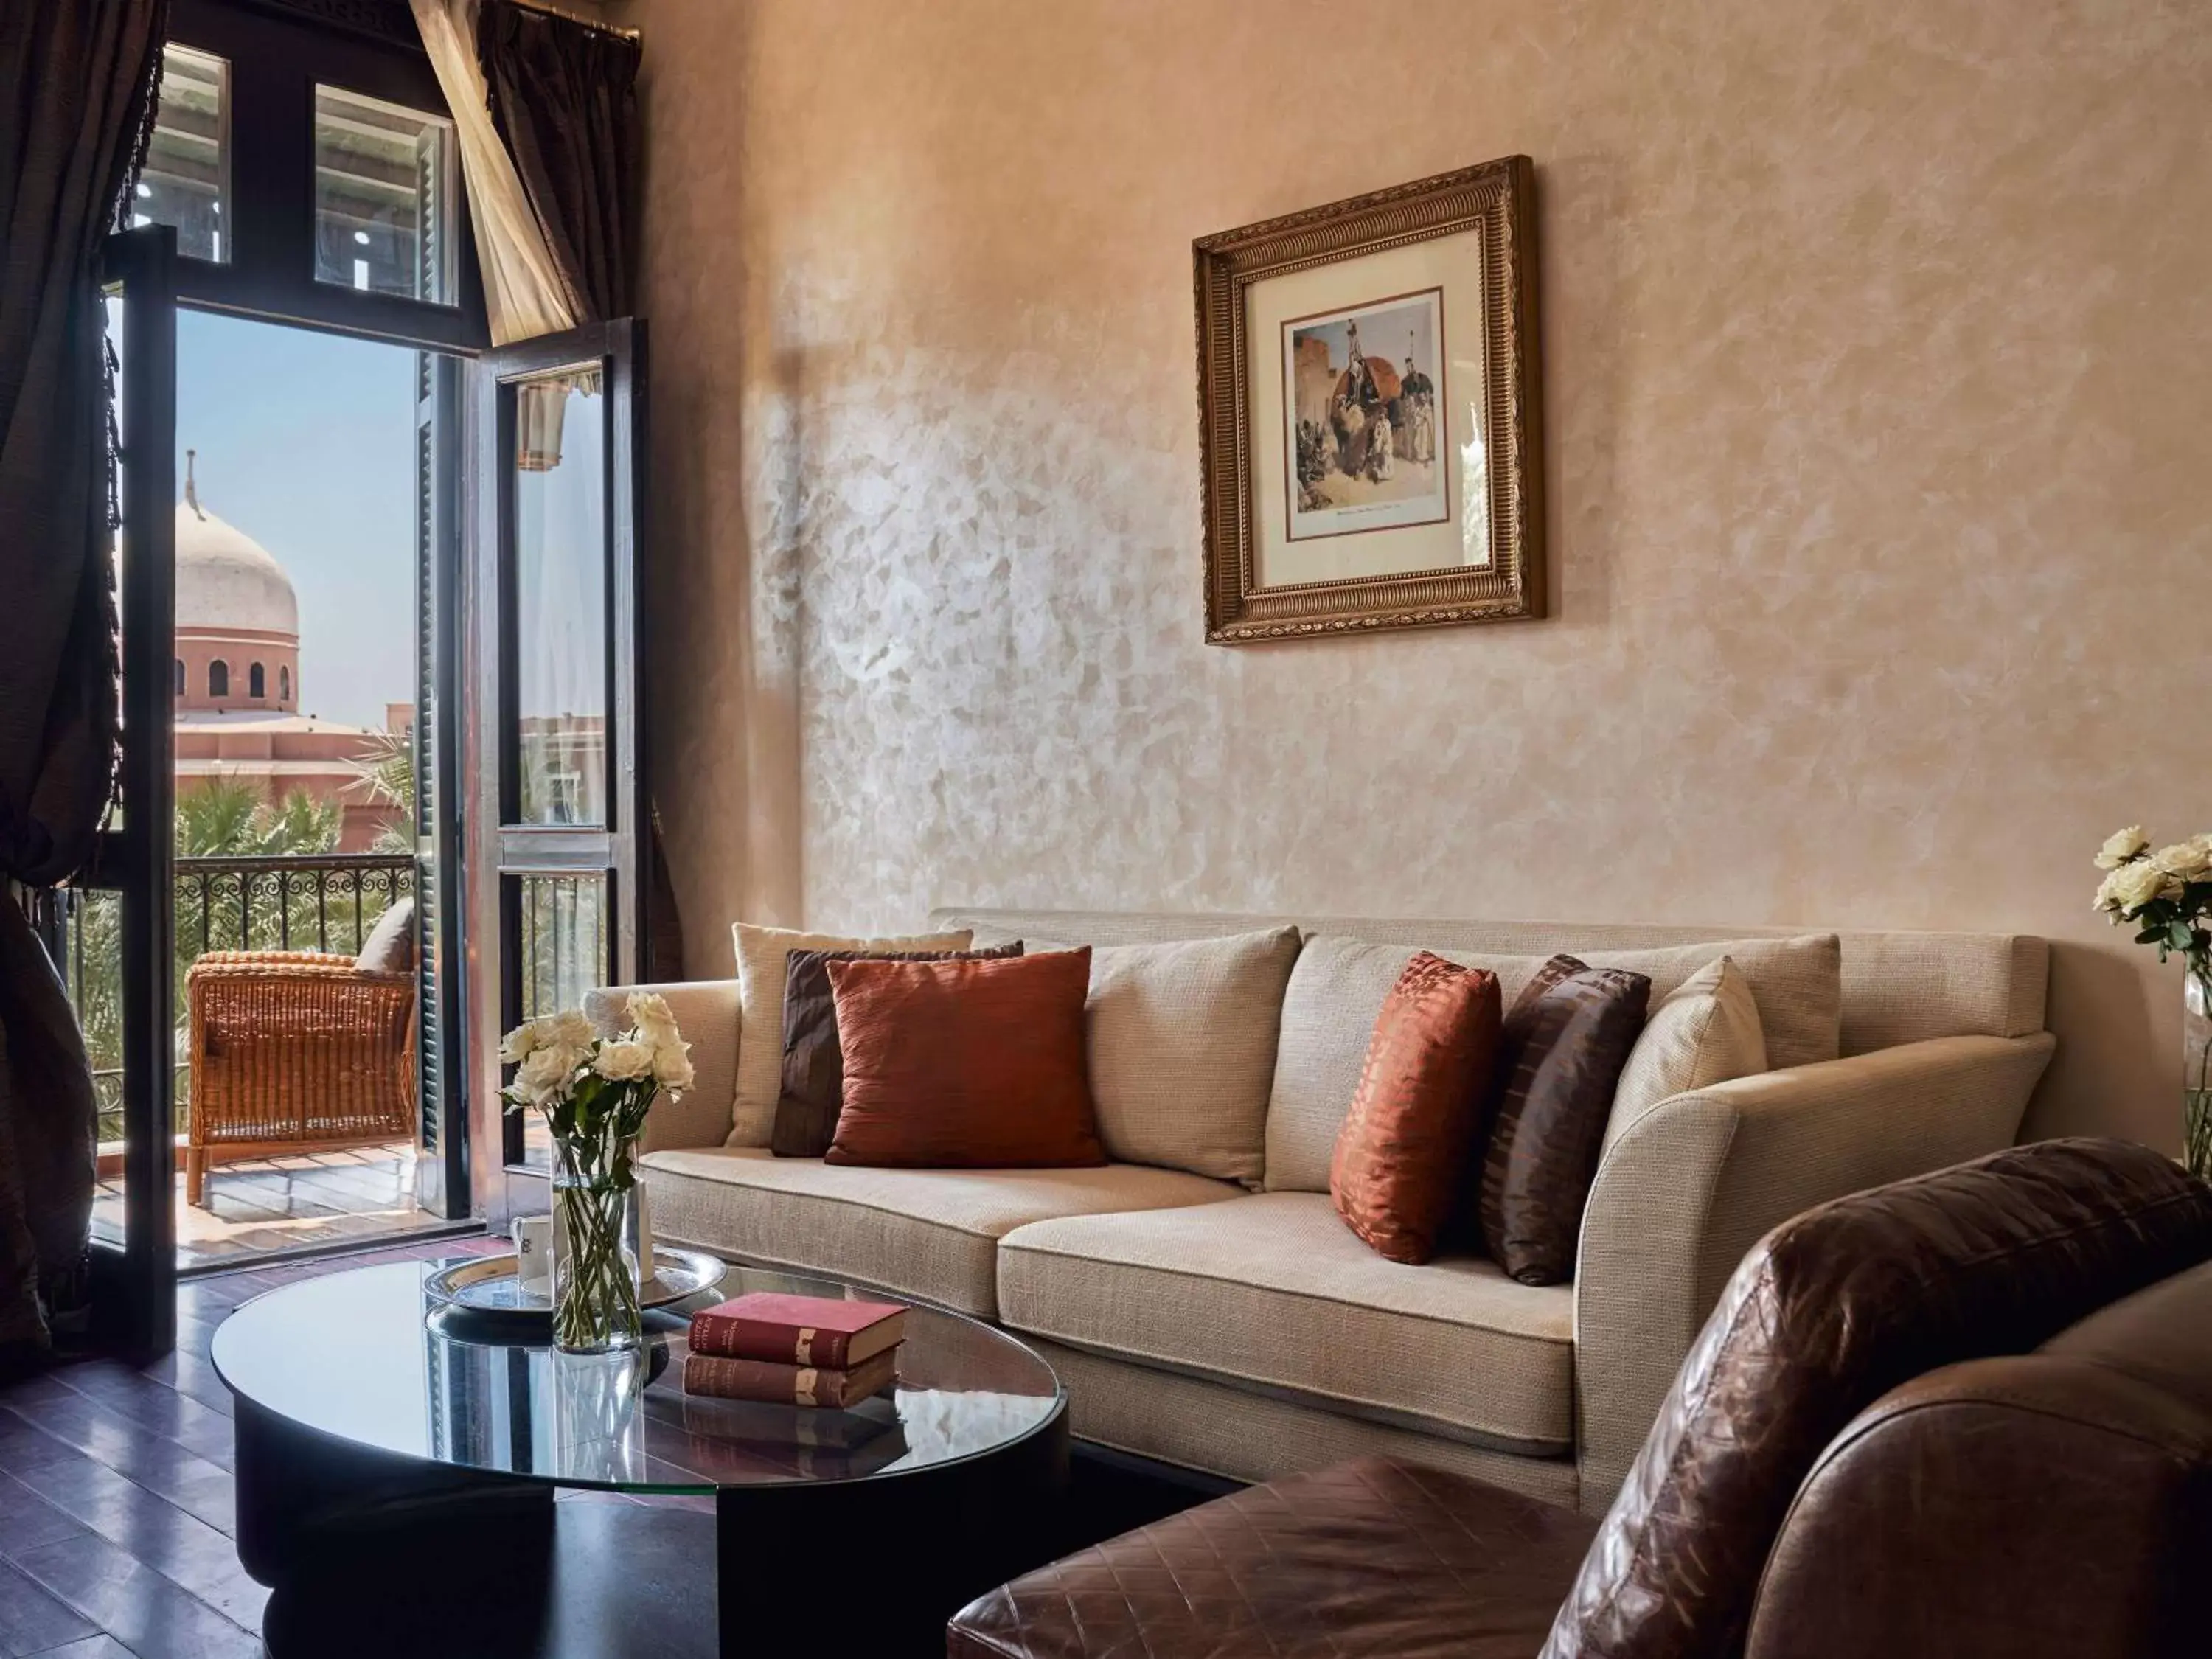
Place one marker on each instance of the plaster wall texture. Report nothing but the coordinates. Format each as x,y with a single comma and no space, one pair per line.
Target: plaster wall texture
1876,347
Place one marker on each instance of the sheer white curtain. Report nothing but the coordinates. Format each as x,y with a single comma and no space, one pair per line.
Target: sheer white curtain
524,293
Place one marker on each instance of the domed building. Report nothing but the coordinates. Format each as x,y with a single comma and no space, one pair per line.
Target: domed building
236,679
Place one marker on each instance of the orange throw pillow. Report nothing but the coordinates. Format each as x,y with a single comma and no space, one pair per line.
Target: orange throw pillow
965,1064
1403,1153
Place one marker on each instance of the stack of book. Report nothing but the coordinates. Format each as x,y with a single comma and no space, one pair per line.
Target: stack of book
794,1350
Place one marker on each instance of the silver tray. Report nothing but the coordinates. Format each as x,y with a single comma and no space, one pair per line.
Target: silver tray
487,1284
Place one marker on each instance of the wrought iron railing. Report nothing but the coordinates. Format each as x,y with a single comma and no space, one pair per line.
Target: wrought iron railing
327,901
315,902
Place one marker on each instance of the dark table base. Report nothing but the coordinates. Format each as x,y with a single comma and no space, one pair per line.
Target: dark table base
368,1554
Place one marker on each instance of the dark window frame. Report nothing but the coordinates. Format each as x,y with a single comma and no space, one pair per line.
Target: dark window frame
219,678
278,57
257,681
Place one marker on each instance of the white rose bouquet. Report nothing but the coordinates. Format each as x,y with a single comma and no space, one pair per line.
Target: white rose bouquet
2167,897
594,1092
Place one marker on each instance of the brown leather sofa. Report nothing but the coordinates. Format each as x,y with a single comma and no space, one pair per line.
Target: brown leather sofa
1966,1414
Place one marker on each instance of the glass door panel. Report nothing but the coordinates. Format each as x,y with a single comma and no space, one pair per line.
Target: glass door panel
559,643
554,900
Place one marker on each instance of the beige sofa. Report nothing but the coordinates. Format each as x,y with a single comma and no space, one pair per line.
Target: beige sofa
1248,1332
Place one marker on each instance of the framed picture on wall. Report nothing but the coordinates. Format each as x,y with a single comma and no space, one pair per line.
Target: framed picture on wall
1369,399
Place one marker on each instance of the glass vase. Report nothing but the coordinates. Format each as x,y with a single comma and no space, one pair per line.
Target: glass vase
2197,1069
595,1303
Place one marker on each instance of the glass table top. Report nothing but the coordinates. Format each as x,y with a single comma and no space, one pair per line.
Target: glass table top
368,1357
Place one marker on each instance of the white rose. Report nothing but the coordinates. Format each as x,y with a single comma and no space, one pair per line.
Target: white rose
623,1062
2121,845
517,1045
2185,860
571,1029
671,1067
546,1071
650,1011
2136,885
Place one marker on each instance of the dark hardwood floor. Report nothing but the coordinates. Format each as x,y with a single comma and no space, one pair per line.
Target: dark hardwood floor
115,1494
116,1515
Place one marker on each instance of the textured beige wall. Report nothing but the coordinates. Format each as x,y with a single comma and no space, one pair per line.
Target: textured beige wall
1876,377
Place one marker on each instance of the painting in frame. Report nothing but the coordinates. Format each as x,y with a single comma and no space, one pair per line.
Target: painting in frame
1369,403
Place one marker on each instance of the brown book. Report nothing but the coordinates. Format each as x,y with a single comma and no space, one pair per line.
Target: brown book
826,1332
792,1385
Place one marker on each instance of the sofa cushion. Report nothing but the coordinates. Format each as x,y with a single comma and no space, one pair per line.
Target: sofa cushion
1402,1156
1182,1049
1707,1031
813,1059
1338,986
707,1014
967,1063
1182,1037
1273,1291
927,1233
1565,1042
763,970
1369,1558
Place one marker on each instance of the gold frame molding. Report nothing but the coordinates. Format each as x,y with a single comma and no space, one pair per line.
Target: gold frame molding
1500,197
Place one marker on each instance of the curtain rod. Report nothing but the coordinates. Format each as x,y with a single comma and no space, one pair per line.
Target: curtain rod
591,23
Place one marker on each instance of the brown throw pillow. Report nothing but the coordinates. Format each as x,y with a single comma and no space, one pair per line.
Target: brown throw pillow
1564,1045
1403,1148
813,1060
965,1065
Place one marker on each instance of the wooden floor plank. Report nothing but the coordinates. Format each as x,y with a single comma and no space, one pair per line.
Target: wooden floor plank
27,1521
32,1621
93,1647
117,1462
135,1604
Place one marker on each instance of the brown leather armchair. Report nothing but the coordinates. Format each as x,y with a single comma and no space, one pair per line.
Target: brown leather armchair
1967,1415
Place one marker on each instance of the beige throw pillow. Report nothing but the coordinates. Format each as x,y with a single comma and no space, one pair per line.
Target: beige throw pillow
762,953
1182,1049
1706,1032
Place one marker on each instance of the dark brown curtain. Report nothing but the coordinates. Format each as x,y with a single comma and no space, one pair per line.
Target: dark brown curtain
77,85
563,98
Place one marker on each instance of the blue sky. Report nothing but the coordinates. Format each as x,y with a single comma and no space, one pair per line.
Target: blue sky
306,444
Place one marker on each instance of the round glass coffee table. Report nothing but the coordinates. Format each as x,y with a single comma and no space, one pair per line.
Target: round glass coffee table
397,1463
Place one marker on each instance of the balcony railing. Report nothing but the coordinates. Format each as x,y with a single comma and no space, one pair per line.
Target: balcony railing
327,901
319,902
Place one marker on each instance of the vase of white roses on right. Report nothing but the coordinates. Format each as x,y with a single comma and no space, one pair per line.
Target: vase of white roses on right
594,1093
2166,896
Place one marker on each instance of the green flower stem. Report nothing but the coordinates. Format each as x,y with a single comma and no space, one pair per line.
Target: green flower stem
2197,1080
596,1306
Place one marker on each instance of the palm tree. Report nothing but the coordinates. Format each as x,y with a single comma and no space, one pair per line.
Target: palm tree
385,767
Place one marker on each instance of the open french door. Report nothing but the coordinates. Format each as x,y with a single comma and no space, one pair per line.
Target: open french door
121,906
555,791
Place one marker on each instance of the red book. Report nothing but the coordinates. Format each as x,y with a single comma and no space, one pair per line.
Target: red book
790,1385
823,1332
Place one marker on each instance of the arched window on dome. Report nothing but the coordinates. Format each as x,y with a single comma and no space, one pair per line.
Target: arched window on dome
218,678
256,681
283,683
179,677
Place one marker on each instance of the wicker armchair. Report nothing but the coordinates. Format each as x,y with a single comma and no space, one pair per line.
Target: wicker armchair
293,1050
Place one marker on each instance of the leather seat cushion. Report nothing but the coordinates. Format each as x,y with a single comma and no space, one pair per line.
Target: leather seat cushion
927,1233
1274,1291
1369,1557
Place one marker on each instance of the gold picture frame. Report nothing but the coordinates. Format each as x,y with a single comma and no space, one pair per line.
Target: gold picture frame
1405,488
